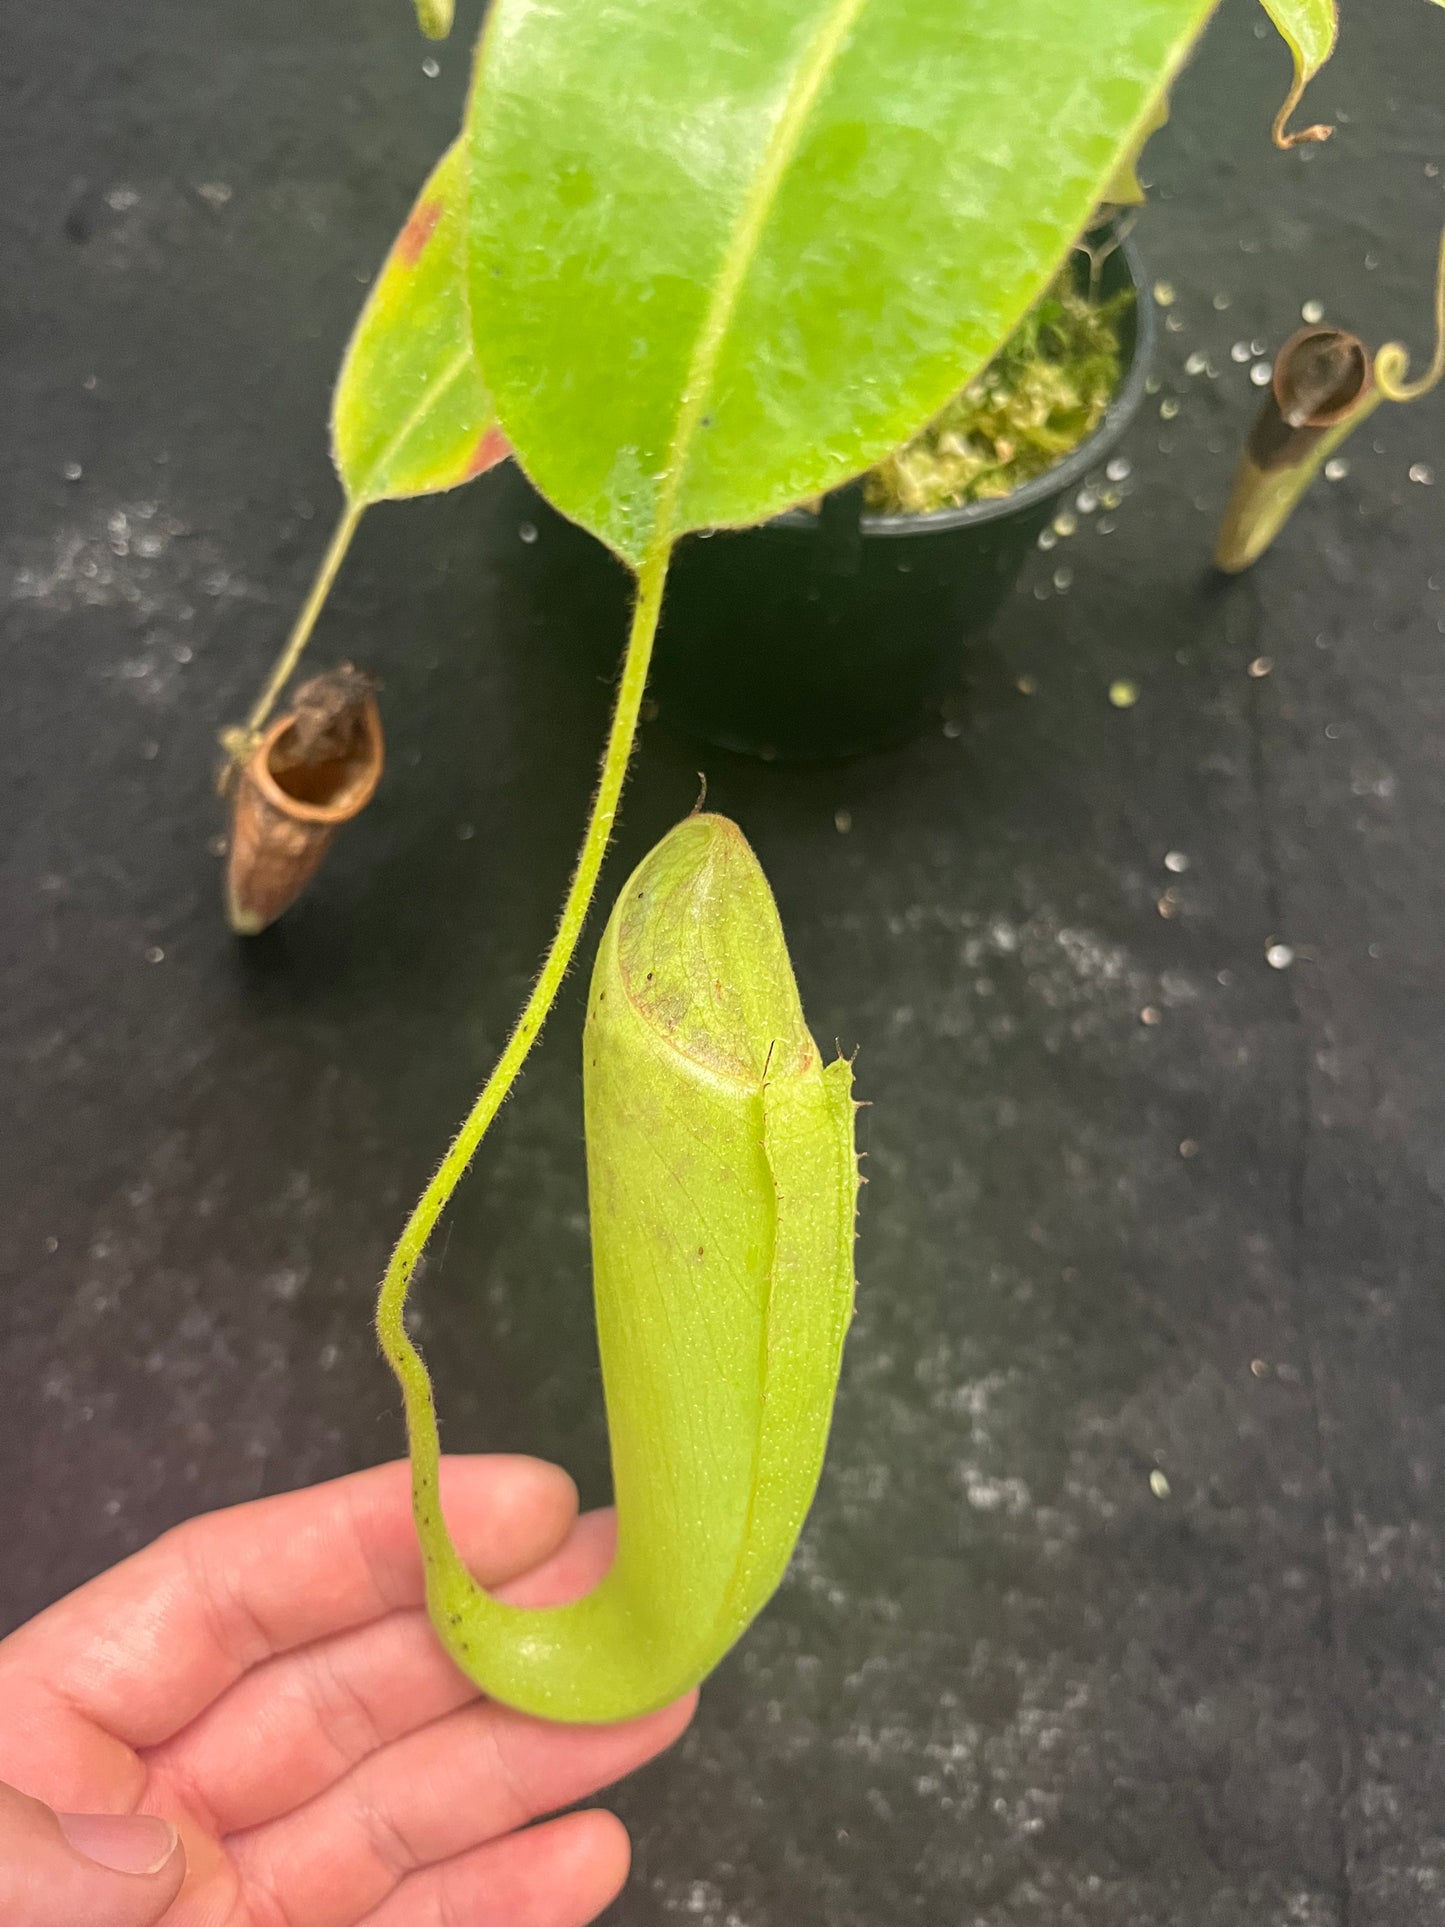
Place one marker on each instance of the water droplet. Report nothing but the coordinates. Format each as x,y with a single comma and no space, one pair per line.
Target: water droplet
1158,1484
1047,539
1063,579
1279,956
1123,694
1026,685
1257,347
1197,363
1164,294
1260,373
431,68
1188,1147
1221,302
528,532
953,728
1149,1016
155,954
1168,409
1086,501
1064,523
1119,470
1239,351
1312,311
1422,472
72,471
1107,525
1336,469
1261,666
842,821
465,832
1176,862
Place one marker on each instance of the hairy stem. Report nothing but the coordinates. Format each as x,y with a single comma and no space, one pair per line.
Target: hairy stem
238,742
401,1354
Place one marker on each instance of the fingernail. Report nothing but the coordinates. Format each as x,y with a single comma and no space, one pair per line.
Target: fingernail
123,1842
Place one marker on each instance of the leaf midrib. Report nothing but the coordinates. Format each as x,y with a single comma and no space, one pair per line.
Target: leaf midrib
806,85
434,392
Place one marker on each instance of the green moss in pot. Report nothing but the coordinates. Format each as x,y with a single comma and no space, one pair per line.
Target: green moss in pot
842,627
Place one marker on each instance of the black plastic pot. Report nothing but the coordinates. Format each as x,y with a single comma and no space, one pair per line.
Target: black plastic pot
819,635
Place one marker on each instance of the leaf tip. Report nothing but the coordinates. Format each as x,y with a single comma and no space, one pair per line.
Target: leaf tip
492,447
434,17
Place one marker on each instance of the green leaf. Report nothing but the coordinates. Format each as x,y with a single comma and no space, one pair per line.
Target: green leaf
411,413
1309,28
1126,189
722,1182
724,257
434,17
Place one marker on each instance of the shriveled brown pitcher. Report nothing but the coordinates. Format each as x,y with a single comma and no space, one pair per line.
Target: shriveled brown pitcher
314,769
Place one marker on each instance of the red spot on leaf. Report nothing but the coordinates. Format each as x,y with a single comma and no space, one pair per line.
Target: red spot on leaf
491,449
418,231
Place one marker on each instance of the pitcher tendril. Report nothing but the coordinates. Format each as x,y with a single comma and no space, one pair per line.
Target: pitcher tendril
1310,29
401,1354
1392,363
239,742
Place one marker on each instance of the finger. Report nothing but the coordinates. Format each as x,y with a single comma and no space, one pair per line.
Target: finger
108,1870
578,1564
469,1778
559,1875
293,1727
222,1593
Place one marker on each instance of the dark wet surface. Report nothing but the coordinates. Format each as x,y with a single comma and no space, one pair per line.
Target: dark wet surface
1124,1600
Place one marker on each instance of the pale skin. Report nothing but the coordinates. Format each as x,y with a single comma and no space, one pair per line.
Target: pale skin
251,1724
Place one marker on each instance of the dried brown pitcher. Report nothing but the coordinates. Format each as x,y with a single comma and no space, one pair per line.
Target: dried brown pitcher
314,769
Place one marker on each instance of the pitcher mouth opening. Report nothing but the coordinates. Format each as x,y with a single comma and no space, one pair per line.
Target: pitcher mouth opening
331,791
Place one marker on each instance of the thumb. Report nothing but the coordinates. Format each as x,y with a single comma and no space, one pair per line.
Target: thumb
105,1869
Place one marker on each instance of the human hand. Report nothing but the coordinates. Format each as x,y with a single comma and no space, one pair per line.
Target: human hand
266,1680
